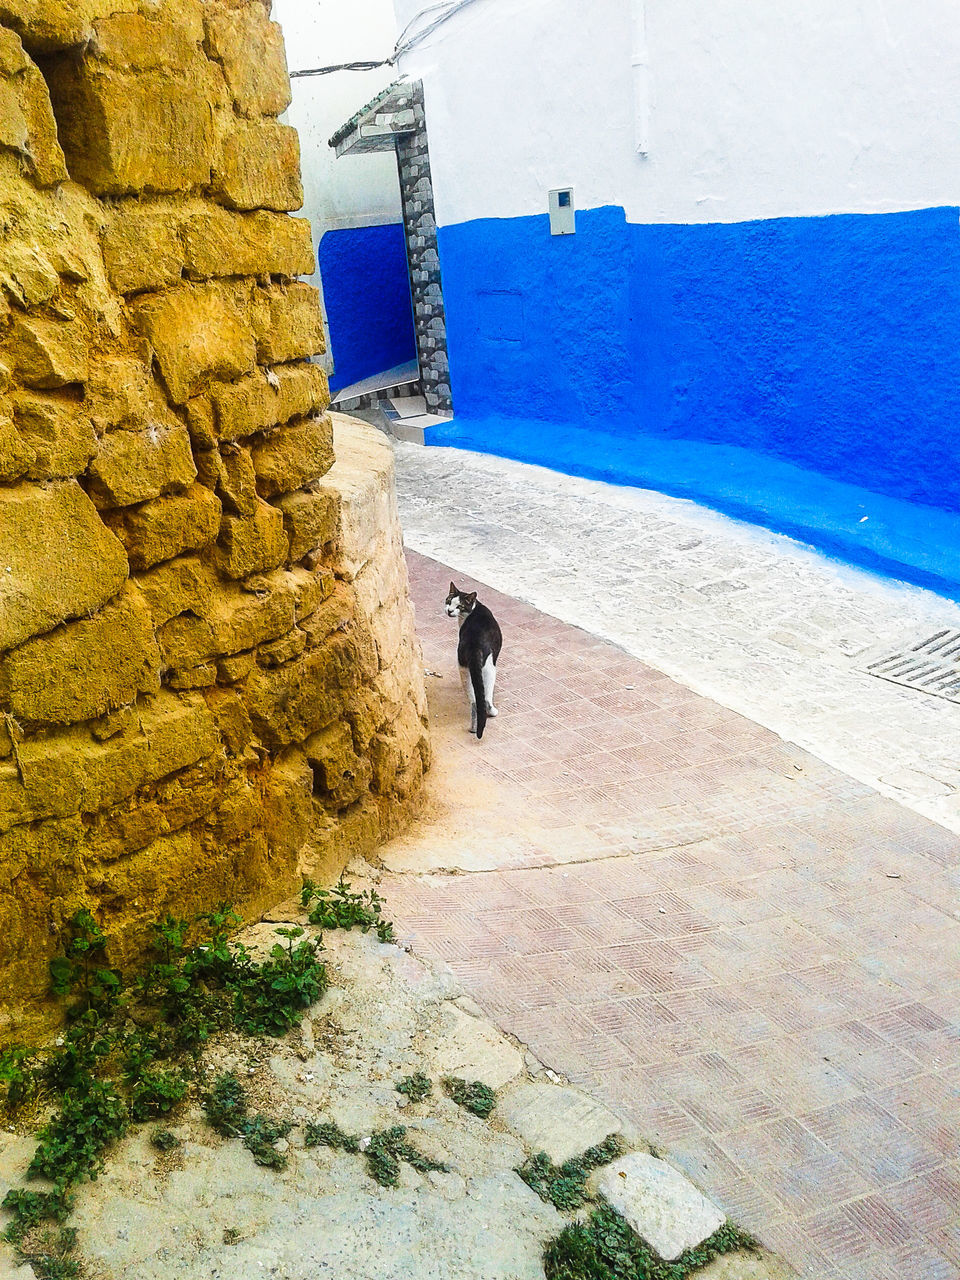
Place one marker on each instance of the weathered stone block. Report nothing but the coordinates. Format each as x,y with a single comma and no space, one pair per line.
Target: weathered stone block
310,519
251,544
186,641
238,484
250,404
242,619
131,42
60,434
218,243
47,353
199,332
287,704
293,456
659,1203
69,772
283,650
85,667
340,775
182,584
28,275
120,392
133,466
250,49
287,323
259,168
288,806
109,148
166,526
141,248
57,560
27,124
15,454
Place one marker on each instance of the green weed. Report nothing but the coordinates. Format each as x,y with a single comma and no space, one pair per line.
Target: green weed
341,908
605,1247
226,1109
164,1140
565,1185
416,1087
327,1134
472,1096
387,1148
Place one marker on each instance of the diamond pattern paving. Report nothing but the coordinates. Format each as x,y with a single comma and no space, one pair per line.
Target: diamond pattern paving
749,955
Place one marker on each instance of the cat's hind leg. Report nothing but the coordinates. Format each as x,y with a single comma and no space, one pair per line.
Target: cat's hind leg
467,684
489,680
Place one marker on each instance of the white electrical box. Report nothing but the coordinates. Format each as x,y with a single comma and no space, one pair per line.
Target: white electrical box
562,221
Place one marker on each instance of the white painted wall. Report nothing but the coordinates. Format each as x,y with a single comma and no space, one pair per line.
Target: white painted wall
756,110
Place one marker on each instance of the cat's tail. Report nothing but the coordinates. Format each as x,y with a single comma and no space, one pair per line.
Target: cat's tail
476,679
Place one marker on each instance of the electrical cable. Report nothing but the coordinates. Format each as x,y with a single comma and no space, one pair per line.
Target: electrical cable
449,9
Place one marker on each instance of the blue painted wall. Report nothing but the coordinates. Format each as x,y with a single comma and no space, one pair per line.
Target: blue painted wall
765,367
367,298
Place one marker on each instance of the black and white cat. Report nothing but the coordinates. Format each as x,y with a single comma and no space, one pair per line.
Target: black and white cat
477,653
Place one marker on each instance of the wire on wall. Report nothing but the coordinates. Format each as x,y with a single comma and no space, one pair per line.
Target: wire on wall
404,43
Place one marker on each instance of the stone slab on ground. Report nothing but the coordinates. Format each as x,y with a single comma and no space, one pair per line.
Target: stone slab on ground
467,1047
659,1203
560,1121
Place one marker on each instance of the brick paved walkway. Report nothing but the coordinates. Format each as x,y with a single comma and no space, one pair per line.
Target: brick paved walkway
749,954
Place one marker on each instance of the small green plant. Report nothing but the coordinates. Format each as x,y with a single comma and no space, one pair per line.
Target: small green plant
20,1074
472,1096
270,998
157,1091
327,1134
72,1144
30,1208
565,1185
386,1149
341,908
226,1109
164,1140
80,970
605,1247
226,1106
416,1087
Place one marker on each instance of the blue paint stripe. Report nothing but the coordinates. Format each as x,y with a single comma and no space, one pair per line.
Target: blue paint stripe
799,372
903,540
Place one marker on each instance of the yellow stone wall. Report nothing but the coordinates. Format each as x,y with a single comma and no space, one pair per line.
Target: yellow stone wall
209,678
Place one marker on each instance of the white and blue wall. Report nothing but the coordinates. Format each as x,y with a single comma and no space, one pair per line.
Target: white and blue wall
353,204
760,306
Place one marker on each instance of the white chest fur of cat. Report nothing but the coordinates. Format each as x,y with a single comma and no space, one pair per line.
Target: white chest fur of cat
478,650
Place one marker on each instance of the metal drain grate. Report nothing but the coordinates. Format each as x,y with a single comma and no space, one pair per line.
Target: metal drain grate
931,665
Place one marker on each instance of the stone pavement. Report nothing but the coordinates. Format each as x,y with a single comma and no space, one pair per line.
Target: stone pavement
206,1211
749,954
756,621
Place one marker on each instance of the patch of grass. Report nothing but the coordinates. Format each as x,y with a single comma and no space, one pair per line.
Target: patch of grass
164,1140
416,1087
341,908
49,1251
606,1247
472,1096
565,1185
73,1142
387,1148
327,1134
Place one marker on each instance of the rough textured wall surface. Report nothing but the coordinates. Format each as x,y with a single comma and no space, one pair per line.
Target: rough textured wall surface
209,680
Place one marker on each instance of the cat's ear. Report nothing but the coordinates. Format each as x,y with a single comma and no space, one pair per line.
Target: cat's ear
453,589
469,599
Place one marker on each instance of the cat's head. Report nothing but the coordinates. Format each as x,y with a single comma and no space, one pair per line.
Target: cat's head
459,602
